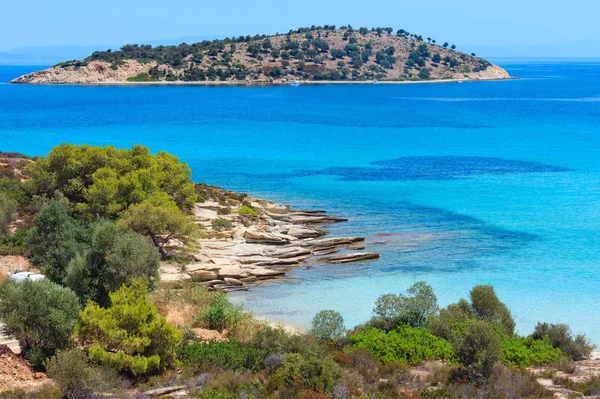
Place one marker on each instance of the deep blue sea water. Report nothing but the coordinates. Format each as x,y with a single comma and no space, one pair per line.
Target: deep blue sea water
455,184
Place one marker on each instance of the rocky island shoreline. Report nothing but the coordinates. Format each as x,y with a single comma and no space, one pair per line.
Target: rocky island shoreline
313,55
247,240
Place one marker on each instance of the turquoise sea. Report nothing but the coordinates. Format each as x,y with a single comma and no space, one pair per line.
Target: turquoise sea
454,184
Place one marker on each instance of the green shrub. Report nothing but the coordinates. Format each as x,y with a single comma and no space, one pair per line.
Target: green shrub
478,348
414,308
8,207
221,224
41,315
227,355
405,344
560,336
447,320
327,324
14,244
115,257
298,373
14,190
277,340
245,210
589,387
220,313
487,307
54,240
72,371
142,77
524,352
129,336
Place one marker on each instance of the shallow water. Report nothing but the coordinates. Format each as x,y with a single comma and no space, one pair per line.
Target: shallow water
455,184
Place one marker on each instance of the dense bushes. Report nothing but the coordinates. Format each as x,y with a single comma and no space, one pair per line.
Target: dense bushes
560,336
414,308
105,181
128,336
528,351
478,348
8,207
114,257
77,378
405,344
54,240
41,315
228,355
298,373
327,324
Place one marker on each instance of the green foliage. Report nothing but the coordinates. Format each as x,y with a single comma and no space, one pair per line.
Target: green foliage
449,319
327,325
414,308
54,240
72,371
298,373
115,257
560,336
128,337
245,210
227,355
159,217
8,207
142,77
488,307
478,348
278,340
405,344
221,224
105,181
589,387
14,244
15,190
220,313
524,352
40,314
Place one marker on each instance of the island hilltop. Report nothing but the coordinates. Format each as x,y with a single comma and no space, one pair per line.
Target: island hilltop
315,54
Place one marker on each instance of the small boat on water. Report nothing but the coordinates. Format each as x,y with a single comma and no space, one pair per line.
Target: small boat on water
460,81
295,83
375,82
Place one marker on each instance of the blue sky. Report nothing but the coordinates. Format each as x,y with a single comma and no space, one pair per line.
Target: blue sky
464,22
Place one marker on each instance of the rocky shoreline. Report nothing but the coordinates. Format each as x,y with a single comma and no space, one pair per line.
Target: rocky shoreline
247,240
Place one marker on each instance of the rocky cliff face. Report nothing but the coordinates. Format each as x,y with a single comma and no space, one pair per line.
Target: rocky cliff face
93,73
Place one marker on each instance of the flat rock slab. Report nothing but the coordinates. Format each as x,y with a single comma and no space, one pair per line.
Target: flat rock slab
164,391
266,273
350,257
304,232
265,238
332,241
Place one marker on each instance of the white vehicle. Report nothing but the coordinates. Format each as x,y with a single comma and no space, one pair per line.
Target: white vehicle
22,276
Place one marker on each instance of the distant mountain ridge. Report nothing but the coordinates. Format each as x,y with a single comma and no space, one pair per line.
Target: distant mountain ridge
307,54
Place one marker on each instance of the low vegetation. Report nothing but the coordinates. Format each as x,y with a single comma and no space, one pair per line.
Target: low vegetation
311,53
100,324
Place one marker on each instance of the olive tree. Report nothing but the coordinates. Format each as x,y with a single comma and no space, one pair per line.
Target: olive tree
327,324
41,315
478,349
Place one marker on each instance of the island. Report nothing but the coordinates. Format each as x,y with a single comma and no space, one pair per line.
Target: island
317,54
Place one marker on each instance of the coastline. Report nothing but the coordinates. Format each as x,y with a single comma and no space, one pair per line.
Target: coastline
248,240
258,84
